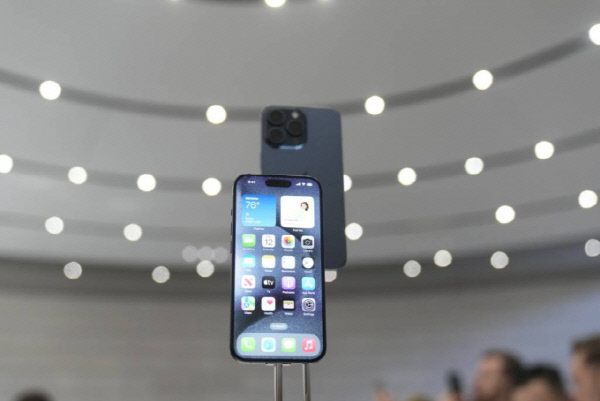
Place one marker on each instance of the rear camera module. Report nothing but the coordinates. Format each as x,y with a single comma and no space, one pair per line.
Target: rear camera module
284,128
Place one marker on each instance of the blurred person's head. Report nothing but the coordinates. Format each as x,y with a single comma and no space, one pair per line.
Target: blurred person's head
585,369
541,383
497,375
33,396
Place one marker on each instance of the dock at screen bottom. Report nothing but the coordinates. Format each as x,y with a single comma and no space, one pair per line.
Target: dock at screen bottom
278,345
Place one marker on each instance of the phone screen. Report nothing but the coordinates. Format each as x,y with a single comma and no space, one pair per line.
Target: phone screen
277,280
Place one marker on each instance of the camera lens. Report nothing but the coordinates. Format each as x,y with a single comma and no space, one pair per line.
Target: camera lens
295,127
276,117
276,135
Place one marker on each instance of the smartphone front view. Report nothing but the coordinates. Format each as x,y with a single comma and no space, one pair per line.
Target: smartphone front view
277,309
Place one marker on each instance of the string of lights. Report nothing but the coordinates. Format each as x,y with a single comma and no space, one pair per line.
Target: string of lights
373,105
406,176
412,268
504,214
270,3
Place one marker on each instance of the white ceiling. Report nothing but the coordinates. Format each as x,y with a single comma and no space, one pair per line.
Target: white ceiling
195,53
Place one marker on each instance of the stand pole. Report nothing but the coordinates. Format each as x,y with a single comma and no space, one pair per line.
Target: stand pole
278,382
306,381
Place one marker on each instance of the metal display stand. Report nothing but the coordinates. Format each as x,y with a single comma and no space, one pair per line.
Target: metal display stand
278,381
306,381
278,369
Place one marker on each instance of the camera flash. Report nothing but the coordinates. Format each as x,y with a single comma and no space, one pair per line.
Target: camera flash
295,114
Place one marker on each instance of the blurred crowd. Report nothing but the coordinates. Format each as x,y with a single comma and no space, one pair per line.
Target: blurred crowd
501,376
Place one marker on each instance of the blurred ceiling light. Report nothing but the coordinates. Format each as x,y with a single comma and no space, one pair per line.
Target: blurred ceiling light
190,254
132,232
544,150
407,176
505,214
592,248
588,199
216,114
330,275
275,3
146,182
347,183
354,231
77,175
442,258
50,90
483,80
499,260
55,225
375,105
6,164
72,270
211,186
205,268
220,254
204,253
595,34
161,274
474,166
412,268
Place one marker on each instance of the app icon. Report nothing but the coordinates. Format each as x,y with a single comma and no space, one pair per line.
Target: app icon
288,283
248,281
288,241
289,304
249,261
268,241
268,344
249,240
309,345
268,261
268,282
309,304
308,263
308,283
268,304
248,344
288,345
248,303
308,242
288,262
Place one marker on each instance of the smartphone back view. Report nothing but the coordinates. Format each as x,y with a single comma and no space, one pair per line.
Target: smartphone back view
308,141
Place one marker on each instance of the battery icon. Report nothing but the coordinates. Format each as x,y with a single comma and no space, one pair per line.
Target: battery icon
309,184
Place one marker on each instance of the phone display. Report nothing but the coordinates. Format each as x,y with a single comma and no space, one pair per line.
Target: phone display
308,141
277,311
